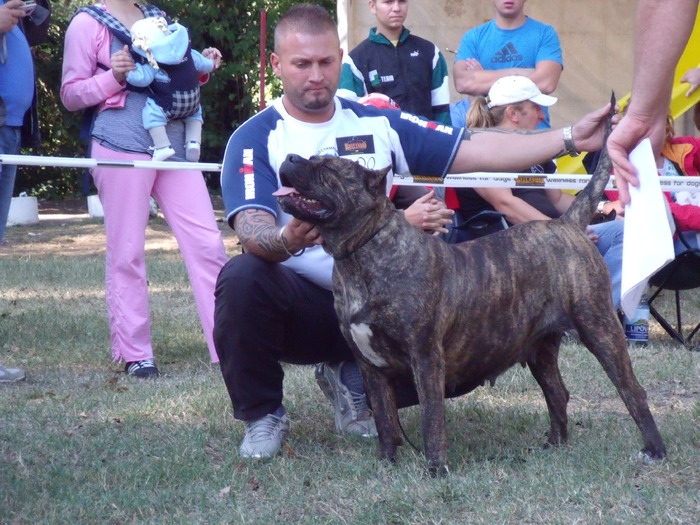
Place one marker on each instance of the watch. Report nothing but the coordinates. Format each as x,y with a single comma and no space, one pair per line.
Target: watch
601,206
569,142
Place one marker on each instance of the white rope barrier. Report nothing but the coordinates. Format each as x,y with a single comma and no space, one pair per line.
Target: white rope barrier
561,181
453,180
68,162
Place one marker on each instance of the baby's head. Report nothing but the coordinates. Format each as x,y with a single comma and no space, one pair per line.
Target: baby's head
148,31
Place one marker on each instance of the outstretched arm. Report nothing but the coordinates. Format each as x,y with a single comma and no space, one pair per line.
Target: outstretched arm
662,31
495,149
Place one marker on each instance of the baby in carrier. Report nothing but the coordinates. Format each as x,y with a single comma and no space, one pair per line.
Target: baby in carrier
172,75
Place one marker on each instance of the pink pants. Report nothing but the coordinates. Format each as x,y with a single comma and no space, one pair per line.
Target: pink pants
184,200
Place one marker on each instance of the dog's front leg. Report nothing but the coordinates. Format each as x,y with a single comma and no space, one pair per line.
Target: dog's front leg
429,376
382,397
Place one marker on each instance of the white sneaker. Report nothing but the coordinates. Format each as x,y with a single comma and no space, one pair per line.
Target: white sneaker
152,207
192,152
352,413
264,437
163,153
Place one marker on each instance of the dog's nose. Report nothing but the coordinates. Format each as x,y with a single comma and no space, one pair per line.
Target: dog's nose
293,158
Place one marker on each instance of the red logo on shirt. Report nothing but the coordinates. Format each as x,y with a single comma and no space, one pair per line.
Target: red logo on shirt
247,168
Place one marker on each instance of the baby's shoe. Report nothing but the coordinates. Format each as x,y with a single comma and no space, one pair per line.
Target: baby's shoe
163,153
192,153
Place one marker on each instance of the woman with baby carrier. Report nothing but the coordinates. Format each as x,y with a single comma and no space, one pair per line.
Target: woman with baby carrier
97,59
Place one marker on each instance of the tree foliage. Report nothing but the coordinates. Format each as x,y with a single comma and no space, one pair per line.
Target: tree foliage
231,96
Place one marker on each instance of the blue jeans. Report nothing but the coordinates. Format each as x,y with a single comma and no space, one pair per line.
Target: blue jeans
609,244
691,238
9,145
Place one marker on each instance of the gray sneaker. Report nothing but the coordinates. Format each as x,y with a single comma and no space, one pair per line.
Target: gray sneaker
264,437
10,375
352,414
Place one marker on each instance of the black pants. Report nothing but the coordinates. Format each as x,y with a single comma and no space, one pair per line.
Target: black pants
266,314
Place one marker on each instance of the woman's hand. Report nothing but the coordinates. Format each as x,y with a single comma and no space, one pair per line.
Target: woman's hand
121,63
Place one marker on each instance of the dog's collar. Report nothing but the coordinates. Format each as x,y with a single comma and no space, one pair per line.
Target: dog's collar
362,244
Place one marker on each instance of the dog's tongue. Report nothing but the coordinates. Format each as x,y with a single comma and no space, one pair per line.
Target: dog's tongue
284,190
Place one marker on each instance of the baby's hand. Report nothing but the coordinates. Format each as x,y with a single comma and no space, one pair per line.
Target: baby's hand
214,55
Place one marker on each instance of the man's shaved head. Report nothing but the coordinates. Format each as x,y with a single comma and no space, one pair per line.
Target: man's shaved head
309,19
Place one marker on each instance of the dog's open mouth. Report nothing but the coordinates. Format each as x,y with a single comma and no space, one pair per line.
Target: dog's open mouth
301,206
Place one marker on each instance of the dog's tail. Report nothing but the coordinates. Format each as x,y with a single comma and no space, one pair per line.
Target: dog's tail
583,208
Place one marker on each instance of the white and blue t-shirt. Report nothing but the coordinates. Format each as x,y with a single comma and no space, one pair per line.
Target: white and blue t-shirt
376,138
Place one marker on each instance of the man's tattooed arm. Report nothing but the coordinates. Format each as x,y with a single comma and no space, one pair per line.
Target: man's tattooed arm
259,235
471,132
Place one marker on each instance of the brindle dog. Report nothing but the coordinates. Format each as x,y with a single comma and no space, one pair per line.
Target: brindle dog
451,317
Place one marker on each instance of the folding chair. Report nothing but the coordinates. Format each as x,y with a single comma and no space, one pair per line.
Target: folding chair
483,223
682,273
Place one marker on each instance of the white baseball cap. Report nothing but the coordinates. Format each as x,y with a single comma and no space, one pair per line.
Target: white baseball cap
514,89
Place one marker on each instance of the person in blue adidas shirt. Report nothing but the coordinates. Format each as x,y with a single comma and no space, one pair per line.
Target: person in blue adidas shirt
510,44
274,302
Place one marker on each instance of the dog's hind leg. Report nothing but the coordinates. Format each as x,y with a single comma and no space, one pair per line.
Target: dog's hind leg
382,397
608,344
544,365
429,376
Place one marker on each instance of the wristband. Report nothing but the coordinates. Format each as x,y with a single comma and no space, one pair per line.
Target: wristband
284,244
569,142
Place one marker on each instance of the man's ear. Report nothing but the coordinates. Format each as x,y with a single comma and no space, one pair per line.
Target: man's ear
275,63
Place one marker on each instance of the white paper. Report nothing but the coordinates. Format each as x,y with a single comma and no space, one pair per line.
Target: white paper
648,242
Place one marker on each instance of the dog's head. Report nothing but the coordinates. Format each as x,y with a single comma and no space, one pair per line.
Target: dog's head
330,192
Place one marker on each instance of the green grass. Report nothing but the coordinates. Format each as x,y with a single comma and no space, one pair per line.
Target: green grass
82,443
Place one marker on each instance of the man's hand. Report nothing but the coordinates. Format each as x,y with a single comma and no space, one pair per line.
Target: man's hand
121,63
472,64
589,132
299,235
429,213
622,141
10,15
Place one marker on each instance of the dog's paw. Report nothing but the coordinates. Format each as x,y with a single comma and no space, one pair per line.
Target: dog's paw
647,458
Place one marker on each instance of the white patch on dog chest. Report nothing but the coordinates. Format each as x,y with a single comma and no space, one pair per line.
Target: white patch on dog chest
361,334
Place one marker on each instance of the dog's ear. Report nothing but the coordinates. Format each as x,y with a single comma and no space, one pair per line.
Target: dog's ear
377,178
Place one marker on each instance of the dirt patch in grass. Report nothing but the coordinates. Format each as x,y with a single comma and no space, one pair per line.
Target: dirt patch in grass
66,228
